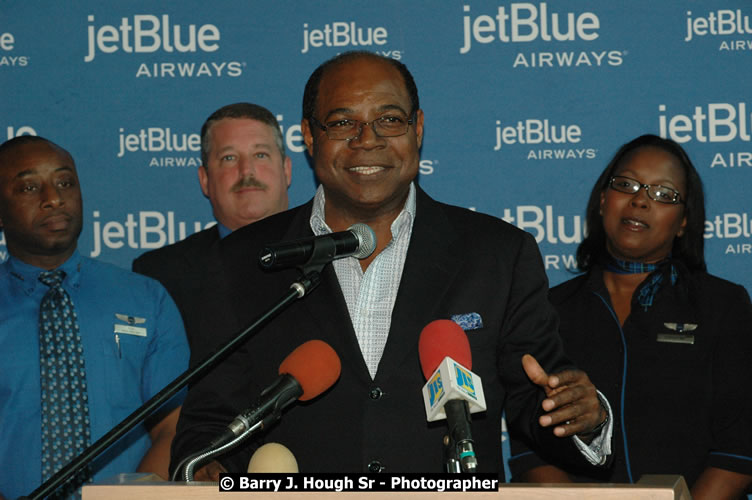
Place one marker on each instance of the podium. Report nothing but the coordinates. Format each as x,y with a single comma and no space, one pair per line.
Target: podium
150,487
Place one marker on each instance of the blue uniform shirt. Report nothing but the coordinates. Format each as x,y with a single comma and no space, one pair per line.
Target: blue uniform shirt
134,344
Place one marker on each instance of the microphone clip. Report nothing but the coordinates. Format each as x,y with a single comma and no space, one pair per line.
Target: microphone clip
311,270
323,252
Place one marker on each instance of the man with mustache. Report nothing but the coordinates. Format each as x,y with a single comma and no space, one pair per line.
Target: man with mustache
245,174
83,343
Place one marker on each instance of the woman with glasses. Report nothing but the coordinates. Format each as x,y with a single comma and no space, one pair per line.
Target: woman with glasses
666,342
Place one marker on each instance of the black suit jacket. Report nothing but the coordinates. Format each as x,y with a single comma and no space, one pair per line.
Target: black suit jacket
180,268
458,262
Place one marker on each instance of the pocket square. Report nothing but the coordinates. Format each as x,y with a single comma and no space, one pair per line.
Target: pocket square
468,321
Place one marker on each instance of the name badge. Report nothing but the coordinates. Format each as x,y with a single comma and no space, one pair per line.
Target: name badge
682,335
676,338
139,331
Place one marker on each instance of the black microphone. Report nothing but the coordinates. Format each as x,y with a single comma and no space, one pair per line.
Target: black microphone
358,241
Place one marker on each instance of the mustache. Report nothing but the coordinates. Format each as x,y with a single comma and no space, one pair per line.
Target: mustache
249,181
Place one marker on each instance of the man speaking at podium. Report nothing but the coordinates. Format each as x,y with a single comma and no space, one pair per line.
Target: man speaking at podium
363,128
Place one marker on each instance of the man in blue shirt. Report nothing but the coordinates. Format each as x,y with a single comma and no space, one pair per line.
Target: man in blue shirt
131,333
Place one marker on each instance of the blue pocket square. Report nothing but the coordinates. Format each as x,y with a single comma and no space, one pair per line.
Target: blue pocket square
468,321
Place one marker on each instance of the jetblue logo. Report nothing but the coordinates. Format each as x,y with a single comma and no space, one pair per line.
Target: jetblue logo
156,139
527,22
550,137
150,34
435,389
520,23
7,45
534,131
723,22
19,131
713,122
147,34
7,41
729,225
464,380
143,230
341,34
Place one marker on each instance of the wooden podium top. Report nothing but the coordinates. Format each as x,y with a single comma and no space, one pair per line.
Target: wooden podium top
150,487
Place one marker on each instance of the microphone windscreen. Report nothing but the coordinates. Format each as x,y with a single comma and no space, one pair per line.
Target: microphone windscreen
441,338
366,239
273,458
314,365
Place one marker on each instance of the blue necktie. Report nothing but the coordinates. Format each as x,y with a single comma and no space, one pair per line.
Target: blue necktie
65,407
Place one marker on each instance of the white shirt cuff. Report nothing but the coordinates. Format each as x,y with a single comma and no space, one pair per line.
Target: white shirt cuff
600,447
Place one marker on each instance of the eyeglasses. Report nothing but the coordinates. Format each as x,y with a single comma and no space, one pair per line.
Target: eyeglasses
347,130
661,194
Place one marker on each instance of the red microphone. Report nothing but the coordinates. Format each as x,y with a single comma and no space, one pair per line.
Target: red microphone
441,338
305,373
452,391
314,365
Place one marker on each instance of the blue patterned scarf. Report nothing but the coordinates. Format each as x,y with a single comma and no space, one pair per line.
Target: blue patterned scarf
651,285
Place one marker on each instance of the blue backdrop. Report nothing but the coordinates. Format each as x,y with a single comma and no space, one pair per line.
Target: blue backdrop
525,102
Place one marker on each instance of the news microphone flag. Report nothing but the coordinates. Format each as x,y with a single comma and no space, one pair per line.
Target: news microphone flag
450,381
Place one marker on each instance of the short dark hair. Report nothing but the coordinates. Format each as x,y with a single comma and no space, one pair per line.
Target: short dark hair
16,142
311,92
689,248
240,110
